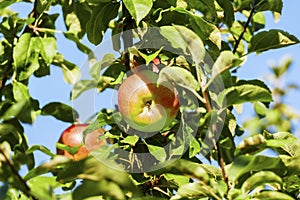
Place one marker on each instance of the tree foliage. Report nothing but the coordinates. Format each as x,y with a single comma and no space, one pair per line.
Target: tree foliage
224,30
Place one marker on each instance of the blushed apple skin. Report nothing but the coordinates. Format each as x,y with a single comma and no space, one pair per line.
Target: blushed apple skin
73,137
146,106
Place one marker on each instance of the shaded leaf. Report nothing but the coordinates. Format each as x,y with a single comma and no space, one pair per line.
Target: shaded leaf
261,179
60,111
271,39
100,18
274,195
245,91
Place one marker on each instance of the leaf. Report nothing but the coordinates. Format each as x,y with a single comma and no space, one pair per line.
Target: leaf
107,60
71,71
247,163
274,195
20,91
100,18
41,148
189,168
60,111
174,37
130,139
44,186
149,58
158,152
20,52
193,43
48,51
98,1
206,7
261,179
272,39
107,189
245,91
138,9
179,76
206,30
194,191
194,147
228,11
82,86
270,5
252,144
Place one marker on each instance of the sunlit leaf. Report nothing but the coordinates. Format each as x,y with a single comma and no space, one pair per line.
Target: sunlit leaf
138,8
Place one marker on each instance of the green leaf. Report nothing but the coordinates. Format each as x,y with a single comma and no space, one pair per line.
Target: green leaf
99,21
228,11
48,51
179,76
21,53
20,91
252,144
271,39
195,191
104,188
194,147
245,91
149,58
71,71
14,110
6,3
44,186
274,195
138,9
107,60
206,30
60,111
130,139
247,163
270,5
174,37
206,7
262,178
158,152
189,168
41,148
98,1
82,86
193,43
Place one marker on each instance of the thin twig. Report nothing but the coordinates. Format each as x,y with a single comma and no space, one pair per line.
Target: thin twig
244,29
25,187
217,145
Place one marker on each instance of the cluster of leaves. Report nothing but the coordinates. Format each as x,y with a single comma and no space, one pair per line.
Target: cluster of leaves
227,30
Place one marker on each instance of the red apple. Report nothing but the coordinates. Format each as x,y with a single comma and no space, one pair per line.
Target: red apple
73,137
146,106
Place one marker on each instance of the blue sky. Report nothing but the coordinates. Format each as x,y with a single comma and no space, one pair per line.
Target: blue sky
46,130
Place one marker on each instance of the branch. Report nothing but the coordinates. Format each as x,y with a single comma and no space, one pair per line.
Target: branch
217,144
25,187
244,29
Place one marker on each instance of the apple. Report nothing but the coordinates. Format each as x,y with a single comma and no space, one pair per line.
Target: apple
73,137
146,106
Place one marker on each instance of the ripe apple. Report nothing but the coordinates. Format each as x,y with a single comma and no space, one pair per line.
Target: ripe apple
146,106
73,137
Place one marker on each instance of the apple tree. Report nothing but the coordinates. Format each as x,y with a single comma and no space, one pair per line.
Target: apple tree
173,131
